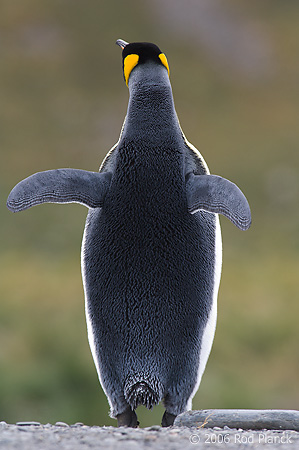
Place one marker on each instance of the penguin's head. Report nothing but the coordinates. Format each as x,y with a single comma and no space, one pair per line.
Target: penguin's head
141,54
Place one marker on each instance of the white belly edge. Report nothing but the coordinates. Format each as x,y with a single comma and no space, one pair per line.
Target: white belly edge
90,332
209,331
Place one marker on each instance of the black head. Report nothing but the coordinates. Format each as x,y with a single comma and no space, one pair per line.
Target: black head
140,53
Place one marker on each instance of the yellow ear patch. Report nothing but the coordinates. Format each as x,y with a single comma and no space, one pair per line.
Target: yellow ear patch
129,63
163,60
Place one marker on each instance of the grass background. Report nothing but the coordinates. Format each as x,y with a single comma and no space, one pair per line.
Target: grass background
63,101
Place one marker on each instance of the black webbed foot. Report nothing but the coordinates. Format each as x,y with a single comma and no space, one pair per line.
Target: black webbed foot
167,419
127,419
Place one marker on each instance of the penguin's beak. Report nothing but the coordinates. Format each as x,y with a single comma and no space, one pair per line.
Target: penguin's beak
121,43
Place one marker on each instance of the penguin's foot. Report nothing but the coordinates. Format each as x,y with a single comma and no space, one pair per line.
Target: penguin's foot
167,419
127,419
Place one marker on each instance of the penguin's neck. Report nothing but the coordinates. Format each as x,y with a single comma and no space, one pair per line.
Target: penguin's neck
151,114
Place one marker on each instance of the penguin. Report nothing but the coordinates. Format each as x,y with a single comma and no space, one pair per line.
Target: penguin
152,248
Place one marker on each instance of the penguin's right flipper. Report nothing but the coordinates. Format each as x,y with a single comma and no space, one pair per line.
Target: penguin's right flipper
60,186
216,194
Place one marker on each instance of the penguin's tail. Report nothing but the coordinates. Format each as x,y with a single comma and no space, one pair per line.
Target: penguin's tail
142,390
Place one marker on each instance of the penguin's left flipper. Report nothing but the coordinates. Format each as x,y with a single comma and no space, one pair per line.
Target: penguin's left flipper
215,194
60,186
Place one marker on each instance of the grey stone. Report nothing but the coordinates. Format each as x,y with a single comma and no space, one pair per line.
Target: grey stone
61,424
247,419
153,428
77,425
28,424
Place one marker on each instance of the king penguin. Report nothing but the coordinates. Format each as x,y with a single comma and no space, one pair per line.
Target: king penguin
151,250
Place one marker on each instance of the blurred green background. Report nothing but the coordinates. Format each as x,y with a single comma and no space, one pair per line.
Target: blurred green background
235,72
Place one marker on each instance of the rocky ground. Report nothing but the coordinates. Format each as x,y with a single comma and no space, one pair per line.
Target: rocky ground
33,436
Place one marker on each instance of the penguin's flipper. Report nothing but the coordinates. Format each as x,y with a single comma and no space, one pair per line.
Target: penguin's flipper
60,186
215,194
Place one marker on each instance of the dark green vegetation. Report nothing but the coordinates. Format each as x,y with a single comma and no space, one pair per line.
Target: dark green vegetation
63,101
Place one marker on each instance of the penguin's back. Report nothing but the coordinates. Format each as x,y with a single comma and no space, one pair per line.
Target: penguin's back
148,270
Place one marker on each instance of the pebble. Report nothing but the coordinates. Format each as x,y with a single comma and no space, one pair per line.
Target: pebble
153,428
28,424
61,424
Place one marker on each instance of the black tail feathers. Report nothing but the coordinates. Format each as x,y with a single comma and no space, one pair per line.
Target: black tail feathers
141,390
141,394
